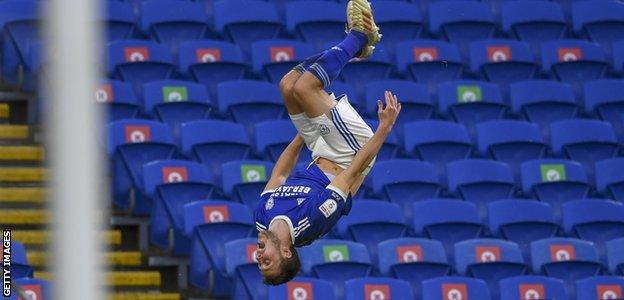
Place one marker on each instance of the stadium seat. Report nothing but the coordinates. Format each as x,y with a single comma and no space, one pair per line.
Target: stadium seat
120,20
119,99
455,287
377,288
438,142
600,21
339,88
272,137
490,260
211,62
246,21
554,181
171,184
610,178
241,265
131,144
618,57
171,22
600,287
404,181
502,61
19,28
533,21
532,287
336,261
138,62
210,224
522,221
543,101
585,141
595,220
376,67
400,21
480,181
37,289
413,260
316,22
469,102
447,220
370,222
303,288
244,181
391,146
19,262
272,59
605,98
429,62
248,102
214,143
615,256
510,141
461,22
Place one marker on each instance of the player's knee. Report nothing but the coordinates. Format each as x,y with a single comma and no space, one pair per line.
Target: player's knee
304,86
287,83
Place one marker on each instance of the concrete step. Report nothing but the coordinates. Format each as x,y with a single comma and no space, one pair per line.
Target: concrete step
144,296
23,217
121,278
23,174
21,153
40,259
34,195
41,237
14,132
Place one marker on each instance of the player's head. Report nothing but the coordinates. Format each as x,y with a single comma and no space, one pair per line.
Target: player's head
278,261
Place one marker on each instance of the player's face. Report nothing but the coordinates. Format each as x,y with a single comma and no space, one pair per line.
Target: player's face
268,255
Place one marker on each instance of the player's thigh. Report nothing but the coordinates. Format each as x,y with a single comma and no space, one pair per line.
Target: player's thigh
310,95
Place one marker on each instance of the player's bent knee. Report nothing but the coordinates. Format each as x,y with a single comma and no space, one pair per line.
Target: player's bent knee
305,86
287,83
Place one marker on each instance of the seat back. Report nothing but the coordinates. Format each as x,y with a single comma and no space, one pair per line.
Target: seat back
416,103
600,287
303,288
274,58
120,99
125,132
600,21
168,91
405,251
489,57
573,61
618,56
601,92
193,53
316,22
241,265
272,137
120,20
461,22
510,140
170,22
377,288
214,211
35,288
455,287
429,61
565,258
532,287
244,181
610,179
19,27
475,171
19,261
533,21
521,221
173,171
401,21
615,256
245,22
249,102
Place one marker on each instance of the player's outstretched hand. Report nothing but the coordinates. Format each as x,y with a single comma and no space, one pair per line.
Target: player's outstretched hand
389,114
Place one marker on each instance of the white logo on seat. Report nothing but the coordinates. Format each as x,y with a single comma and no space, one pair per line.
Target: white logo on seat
299,294
377,295
488,256
469,96
454,294
562,255
569,56
335,255
137,136
136,57
553,175
425,56
174,177
410,256
499,56
253,175
101,95
531,295
174,97
215,216
31,295
609,294
281,56
208,58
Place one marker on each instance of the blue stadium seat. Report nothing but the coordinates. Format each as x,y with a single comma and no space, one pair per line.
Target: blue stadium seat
244,181
502,61
610,179
470,102
605,98
490,260
585,141
600,21
246,21
214,143
370,222
119,99
618,57
211,62
37,289
391,146
615,256
131,144
19,262
461,22
554,181
376,67
600,287
533,21
171,22
532,287
19,28
543,101
377,288
339,88
404,181
272,137
249,102
595,220
455,287
303,288
272,59
399,21
171,184
438,142
120,20
447,220
210,224
413,260
336,261
480,181
138,62
316,22
429,61
241,265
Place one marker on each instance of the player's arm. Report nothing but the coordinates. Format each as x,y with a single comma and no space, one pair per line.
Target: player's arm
285,164
387,116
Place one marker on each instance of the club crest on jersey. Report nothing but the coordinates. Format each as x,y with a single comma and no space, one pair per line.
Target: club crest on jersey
269,204
324,129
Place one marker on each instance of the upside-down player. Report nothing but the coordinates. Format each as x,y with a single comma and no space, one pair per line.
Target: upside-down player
296,209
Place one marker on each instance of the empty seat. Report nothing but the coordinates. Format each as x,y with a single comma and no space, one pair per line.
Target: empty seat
19,261
19,28
400,21
272,59
615,256
600,287
171,184
171,22
210,224
241,265
244,181
455,287
600,21
119,98
34,288
376,67
429,61
480,181
490,260
316,22
554,181
377,288
532,287
272,137
338,88
610,178
303,288
502,61
618,57
120,20
391,146
131,144
605,98
533,21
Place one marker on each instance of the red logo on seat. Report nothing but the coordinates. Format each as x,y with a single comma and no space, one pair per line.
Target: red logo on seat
498,53
425,54
569,54
174,174
377,291
137,134
216,213
104,93
32,291
208,55
484,254
410,253
562,252
280,54
609,291
457,291
532,291
299,291
136,54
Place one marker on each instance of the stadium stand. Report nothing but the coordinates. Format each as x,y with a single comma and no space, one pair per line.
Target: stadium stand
609,181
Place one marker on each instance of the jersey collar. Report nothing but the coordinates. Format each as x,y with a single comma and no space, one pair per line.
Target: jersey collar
290,225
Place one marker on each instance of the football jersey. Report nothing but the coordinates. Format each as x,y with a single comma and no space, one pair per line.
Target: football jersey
307,202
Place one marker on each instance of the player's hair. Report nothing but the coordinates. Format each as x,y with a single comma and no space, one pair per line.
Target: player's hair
289,267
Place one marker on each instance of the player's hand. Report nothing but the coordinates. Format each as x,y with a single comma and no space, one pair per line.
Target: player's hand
388,115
